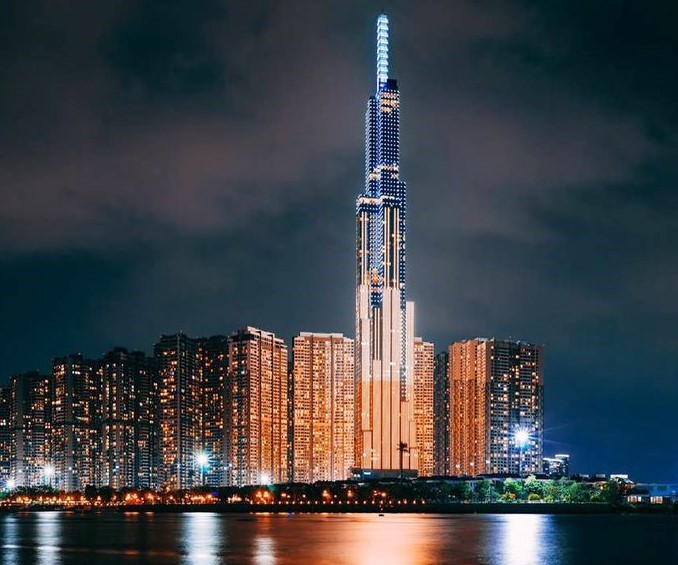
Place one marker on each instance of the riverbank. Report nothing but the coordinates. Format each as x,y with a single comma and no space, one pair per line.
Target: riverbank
442,508
554,508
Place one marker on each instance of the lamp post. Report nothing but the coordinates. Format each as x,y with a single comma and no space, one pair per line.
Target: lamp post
203,461
522,438
49,471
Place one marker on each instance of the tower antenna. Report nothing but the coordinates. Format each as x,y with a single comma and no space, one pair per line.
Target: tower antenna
382,50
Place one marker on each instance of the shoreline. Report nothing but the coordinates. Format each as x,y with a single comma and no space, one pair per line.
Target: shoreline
435,508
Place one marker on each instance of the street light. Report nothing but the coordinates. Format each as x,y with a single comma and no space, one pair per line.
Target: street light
11,483
49,471
522,438
203,461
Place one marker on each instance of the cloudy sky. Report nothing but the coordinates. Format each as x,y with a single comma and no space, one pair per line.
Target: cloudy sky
174,166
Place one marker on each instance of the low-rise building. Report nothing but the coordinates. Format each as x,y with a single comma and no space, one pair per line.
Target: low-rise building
653,493
557,467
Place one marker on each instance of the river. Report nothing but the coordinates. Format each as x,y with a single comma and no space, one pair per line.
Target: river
277,539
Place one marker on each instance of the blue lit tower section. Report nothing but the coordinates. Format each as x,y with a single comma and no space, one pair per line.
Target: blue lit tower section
384,319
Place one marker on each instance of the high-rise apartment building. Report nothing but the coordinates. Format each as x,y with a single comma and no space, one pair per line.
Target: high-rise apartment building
147,451
30,400
127,420
75,422
290,418
496,407
423,406
179,411
257,408
441,415
323,407
5,434
213,369
384,319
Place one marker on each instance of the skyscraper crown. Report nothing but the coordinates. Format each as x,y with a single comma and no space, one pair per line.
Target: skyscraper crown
382,50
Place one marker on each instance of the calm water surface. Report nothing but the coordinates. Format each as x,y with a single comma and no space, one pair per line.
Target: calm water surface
56,538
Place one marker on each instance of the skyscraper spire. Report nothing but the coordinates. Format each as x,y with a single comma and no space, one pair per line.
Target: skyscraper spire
382,50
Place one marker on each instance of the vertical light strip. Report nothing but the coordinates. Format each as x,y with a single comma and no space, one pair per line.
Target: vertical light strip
382,50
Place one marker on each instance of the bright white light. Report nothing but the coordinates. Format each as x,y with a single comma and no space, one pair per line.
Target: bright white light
522,540
50,471
11,483
265,479
382,50
202,459
522,437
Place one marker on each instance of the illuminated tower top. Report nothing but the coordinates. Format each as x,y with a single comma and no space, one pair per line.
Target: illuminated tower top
382,50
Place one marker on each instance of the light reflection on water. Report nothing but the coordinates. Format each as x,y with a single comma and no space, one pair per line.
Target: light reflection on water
204,538
10,551
201,537
264,550
522,536
48,531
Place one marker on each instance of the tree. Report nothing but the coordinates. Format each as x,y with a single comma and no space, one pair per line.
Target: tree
613,492
459,491
515,488
534,486
553,492
578,492
106,493
483,490
402,448
90,492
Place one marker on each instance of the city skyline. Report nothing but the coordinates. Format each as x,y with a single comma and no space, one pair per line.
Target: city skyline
578,270
235,410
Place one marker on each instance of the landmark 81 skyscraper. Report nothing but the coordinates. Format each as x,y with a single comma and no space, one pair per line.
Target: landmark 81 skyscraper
384,320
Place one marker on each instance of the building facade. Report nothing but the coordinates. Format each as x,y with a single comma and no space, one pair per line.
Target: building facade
496,407
127,420
147,451
179,411
384,319
75,422
30,398
424,356
256,399
5,435
441,415
213,369
323,407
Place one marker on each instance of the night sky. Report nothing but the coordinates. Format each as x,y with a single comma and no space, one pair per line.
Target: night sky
193,166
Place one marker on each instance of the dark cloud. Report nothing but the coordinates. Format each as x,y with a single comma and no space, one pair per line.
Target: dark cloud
166,167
